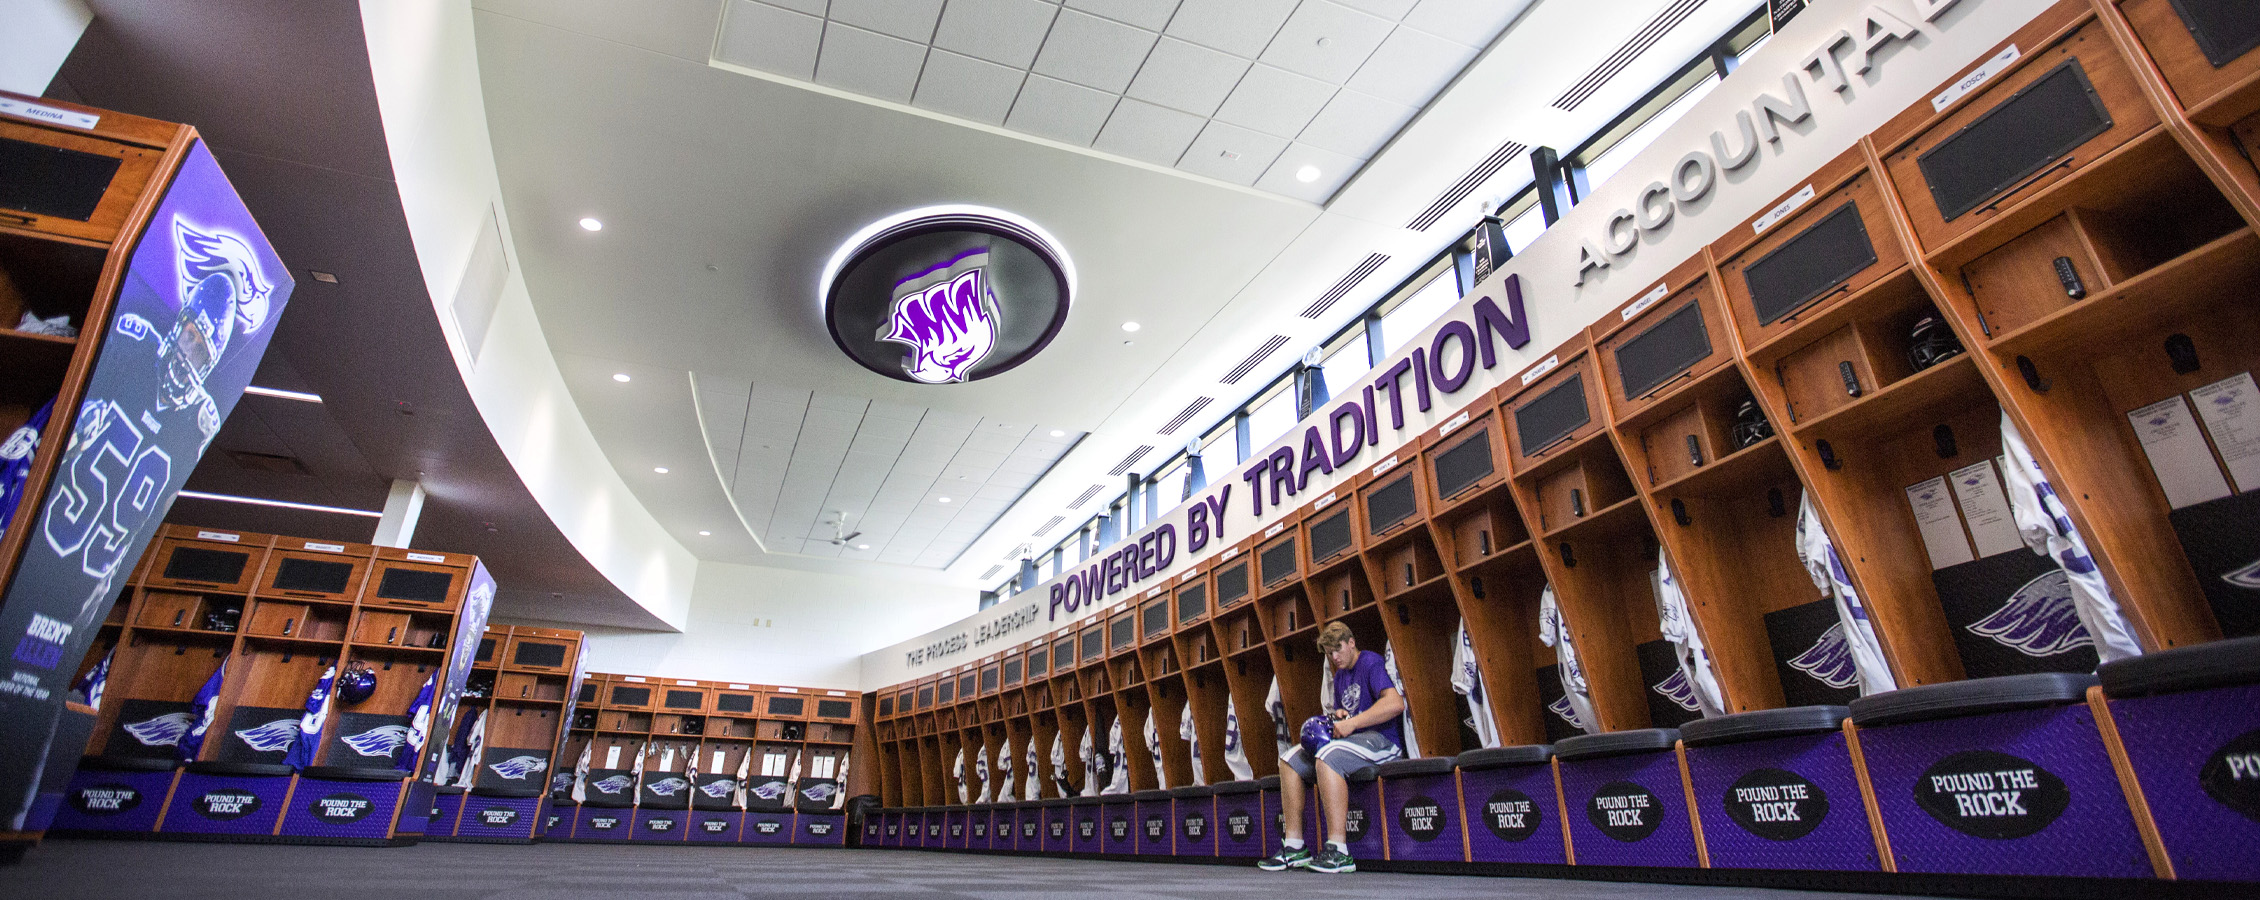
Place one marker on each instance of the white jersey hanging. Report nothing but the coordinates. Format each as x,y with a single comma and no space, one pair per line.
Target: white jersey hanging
1030,788
1117,761
2046,527
1467,681
1577,701
1405,719
1192,738
1235,756
1059,765
958,772
1277,707
1848,653
981,771
1091,781
1153,746
1687,642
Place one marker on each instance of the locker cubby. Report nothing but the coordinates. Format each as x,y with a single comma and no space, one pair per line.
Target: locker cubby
1421,629
1278,560
175,610
1833,241
1339,590
1133,707
623,720
1234,578
1063,654
1165,703
221,561
1287,616
1154,618
404,584
1329,533
1499,602
1159,657
1015,668
1465,461
153,673
1997,154
303,621
315,574
1239,633
1189,600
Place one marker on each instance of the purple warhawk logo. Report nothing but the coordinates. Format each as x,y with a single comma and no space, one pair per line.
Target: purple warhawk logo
613,785
379,741
718,789
1561,707
274,736
163,731
947,316
2247,577
666,787
562,781
517,768
771,790
1679,689
1829,659
2038,620
820,792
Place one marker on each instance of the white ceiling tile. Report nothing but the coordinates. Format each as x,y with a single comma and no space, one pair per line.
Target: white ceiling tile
995,492
867,63
1334,170
1144,131
1275,101
1093,52
981,459
967,88
927,467
947,420
885,410
1000,31
1024,465
1387,9
855,405
1231,153
994,443
1241,27
1326,41
759,36
1355,124
811,7
911,20
1411,66
1064,112
1187,76
1472,22
1148,14
897,430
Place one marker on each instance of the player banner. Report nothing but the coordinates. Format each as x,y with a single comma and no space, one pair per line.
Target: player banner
194,313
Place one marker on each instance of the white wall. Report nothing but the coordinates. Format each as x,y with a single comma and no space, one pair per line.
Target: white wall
38,36
780,626
425,62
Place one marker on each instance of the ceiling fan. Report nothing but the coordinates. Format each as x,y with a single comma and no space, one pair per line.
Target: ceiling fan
840,537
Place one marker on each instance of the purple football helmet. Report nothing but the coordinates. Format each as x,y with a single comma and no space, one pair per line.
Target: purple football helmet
1317,730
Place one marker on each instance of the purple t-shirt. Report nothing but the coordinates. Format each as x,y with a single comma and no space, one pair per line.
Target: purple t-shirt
1355,691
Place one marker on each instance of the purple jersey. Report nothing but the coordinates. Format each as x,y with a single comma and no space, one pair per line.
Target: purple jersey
1356,688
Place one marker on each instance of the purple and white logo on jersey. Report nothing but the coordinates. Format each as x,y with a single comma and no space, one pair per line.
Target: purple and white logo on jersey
272,737
2040,619
518,767
613,785
382,740
667,787
163,731
1829,659
949,326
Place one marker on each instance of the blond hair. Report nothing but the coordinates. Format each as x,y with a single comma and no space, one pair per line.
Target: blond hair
1334,635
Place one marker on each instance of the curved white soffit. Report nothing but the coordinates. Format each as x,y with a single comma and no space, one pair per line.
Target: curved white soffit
425,62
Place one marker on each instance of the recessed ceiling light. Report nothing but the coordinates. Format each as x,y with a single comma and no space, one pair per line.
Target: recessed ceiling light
706,534
260,501
1307,174
943,499
621,377
591,224
323,277
300,396
1058,433
659,469
863,546
1130,326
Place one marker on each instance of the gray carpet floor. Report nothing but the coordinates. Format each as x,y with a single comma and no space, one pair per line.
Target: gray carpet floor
67,869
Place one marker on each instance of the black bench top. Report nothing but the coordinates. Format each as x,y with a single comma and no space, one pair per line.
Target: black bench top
1433,765
388,773
2210,665
1237,787
1616,743
255,769
1501,757
129,763
1192,791
1974,697
1149,796
1764,724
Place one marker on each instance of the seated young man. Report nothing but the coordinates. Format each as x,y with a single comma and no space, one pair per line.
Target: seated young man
1366,711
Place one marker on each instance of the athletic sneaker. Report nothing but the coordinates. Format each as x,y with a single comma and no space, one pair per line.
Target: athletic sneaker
1296,858
1333,862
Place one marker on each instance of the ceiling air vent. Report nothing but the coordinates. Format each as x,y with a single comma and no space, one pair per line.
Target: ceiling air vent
1086,496
1475,177
268,462
1343,287
1048,526
1639,43
1131,460
992,572
1255,359
1191,410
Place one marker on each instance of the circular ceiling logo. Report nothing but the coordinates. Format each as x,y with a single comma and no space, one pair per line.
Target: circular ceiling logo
946,294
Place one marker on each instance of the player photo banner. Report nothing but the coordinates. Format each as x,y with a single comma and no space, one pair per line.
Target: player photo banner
194,314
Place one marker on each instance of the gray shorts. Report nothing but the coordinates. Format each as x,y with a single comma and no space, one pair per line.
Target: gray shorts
1360,751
